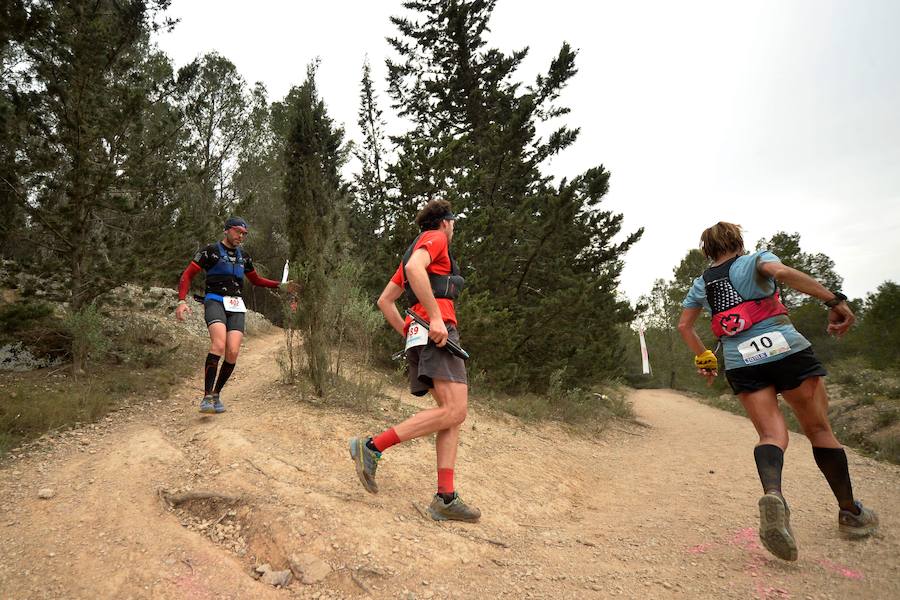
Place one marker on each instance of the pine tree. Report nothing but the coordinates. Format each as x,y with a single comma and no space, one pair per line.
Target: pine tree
216,105
314,195
90,67
91,77
539,257
370,181
258,183
371,210
878,335
15,97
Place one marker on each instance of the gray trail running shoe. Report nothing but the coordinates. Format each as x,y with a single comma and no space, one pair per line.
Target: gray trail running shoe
206,405
861,525
775,531
366,461
457,510
218,407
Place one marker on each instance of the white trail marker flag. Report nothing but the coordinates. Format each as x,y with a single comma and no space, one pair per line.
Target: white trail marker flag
284,273
645,359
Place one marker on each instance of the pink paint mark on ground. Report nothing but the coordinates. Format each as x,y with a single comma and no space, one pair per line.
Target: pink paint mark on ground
700,548
747,539
192,587
770,593
841,569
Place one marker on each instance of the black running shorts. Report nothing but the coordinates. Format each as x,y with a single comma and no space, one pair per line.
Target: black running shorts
214,312
428,362
785,374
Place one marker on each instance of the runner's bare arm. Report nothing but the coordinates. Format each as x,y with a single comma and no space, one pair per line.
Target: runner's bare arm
421,286
693,341
387,303
798,280
840,317
686,329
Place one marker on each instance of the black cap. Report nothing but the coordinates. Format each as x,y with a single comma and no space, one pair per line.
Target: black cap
236,222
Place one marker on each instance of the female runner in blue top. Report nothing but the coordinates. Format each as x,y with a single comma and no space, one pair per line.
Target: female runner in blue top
765,356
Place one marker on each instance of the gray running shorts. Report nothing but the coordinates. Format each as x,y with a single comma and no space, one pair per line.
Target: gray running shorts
214,312
427,363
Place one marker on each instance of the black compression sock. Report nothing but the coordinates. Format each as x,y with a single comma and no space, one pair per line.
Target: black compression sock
769,463
224,374
833,464
209,373
448,498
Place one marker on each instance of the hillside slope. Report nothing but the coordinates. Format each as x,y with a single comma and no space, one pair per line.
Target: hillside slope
667,511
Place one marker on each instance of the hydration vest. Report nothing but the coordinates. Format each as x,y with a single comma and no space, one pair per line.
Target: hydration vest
442,286
733,314
225,267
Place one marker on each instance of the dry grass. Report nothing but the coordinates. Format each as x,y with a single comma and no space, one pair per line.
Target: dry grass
51,399
584,409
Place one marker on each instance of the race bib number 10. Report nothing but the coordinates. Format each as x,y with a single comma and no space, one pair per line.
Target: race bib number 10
416,335
763,346
234,304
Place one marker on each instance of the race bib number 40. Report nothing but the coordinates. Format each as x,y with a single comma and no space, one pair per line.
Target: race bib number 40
763,346
416,335
234,304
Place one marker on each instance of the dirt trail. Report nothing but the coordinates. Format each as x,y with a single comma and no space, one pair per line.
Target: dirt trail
667,511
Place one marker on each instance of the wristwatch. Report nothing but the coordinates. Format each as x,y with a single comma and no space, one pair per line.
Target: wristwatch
838,298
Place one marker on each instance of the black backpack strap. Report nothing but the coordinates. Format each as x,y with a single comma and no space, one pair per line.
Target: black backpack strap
410,296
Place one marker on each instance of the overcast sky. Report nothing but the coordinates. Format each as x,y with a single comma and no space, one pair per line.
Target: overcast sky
774,115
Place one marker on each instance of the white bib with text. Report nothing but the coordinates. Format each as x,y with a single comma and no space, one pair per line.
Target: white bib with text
416,335
763,346
234,304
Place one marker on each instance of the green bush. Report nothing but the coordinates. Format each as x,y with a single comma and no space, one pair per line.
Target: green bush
85,328
20,315
887,417
141,343
889,449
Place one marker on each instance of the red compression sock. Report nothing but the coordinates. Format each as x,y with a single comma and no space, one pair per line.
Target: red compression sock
445,481
385,440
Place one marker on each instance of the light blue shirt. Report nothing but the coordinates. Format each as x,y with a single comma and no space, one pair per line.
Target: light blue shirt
750,284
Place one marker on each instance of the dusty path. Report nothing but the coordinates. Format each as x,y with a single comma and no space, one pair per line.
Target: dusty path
663,512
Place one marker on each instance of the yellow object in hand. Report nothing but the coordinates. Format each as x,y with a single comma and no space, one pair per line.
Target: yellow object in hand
707,361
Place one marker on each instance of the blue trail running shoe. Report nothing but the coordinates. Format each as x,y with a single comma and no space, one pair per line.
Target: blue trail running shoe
218,407
366,461
206,405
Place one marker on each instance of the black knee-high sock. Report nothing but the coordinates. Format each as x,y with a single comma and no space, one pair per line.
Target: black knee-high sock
833,464
209,372
224,374
769,462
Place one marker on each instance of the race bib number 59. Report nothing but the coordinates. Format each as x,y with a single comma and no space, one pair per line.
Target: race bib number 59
763,346
416,335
